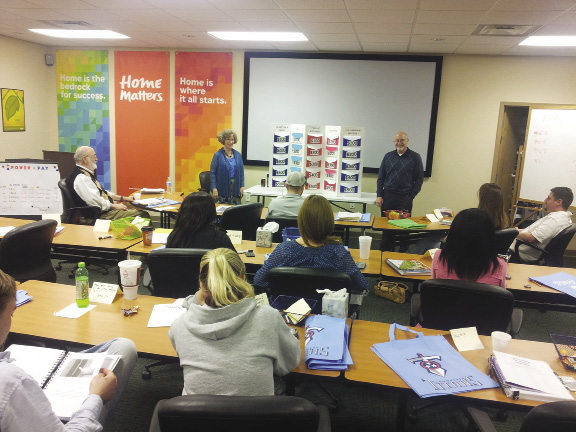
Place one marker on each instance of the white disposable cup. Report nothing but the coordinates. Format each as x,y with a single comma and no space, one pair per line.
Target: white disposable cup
365,243
500,341
130,292
130,273
136,196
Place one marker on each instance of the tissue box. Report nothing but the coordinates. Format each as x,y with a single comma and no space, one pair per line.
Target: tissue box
263,238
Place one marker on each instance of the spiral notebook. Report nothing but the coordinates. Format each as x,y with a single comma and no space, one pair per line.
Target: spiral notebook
64,376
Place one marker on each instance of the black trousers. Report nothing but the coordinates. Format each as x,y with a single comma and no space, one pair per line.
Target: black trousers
394,201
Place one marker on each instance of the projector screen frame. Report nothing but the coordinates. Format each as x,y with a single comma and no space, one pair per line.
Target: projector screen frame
248,55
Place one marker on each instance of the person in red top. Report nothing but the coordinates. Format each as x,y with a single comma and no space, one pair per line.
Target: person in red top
469,252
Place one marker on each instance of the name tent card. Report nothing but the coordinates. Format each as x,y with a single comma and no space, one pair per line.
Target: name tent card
103,292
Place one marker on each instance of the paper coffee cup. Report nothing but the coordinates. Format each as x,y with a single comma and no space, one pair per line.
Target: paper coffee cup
500,341
130,273
365,244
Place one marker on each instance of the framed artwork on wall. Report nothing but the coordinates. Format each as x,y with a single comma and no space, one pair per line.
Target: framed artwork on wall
13,110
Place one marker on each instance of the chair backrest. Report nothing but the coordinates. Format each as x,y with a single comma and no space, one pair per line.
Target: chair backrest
205,182
244,217
73,214
25,251
284,223
557,246
551,417
503,239
447,304
303,282
174,271
216,413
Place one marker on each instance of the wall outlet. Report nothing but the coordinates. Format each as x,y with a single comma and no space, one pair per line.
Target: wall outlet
352,205
247,196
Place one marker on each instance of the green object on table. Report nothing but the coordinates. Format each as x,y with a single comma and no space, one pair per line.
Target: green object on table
406,224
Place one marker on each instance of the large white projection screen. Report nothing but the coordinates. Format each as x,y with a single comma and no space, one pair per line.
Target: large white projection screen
384,94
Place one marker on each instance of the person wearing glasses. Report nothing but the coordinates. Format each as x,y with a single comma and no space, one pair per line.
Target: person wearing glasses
87,191
227,171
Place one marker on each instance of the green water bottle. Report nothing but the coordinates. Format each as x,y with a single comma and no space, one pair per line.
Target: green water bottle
82,285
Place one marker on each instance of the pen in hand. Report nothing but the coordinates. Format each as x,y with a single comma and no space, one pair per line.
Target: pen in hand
104,237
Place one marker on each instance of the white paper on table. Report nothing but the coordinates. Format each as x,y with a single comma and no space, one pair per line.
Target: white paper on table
179,302
466,339
54,216
103,292
102,225
438,214
235,236
137,220
431,217
163,315
73,311
5,230
262,299
165,208
148,201
160,237
298,311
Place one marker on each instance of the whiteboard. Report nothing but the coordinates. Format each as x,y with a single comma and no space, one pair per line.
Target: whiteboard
29,189
549,153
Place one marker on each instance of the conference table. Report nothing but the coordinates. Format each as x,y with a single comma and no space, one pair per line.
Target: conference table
527,294
369,369
392,232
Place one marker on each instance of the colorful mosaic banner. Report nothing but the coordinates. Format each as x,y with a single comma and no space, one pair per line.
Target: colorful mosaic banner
83,105
142,94
203,107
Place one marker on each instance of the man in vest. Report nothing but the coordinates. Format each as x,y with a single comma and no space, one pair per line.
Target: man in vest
87,191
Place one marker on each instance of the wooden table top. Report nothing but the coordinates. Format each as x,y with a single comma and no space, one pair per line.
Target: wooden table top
369,368
104,322
381,223
373,264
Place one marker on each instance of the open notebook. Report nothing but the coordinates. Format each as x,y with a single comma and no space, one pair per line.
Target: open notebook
64,376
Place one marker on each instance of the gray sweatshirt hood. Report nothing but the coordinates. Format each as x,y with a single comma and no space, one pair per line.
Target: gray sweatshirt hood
216,323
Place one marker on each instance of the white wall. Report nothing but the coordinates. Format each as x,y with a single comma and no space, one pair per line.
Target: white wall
22,67
470,95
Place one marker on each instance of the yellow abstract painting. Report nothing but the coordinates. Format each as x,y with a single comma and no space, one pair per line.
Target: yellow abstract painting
13,110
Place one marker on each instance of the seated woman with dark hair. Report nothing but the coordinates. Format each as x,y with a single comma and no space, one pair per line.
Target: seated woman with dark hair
227,344
195,227
490,200
469,251
315,248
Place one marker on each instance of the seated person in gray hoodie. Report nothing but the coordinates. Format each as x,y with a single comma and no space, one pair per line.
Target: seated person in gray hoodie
226,343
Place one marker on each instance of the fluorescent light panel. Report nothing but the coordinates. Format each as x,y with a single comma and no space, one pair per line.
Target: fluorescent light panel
551,41
260,36
81,34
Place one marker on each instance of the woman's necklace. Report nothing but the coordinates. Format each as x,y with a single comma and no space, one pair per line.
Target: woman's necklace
229,156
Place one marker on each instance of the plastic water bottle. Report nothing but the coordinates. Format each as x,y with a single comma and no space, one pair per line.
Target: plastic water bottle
82,285
169,186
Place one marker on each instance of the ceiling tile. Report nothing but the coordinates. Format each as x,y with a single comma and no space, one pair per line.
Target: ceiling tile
339,46
294,46
566,18
319,15
457,5
495,40
381,4
450,17
120,4
371,37
445,39
311,4
287,26
378,28
521,18
218,26
258,15
382,16
534,5
443,29
331,37
385,47
556,30
244,4
325,27
433,48
482,49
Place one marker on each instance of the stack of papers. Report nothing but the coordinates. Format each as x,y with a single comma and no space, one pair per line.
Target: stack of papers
152,191
22,297
5,230
409,267
298,311
352,217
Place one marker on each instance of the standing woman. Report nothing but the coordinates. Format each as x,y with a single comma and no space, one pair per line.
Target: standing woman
491,201
227,171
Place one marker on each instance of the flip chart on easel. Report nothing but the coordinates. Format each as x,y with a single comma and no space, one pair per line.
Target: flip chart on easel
550,153
29,189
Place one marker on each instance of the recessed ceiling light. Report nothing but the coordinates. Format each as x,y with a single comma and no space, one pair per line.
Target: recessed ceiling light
81,34
260,36
550,41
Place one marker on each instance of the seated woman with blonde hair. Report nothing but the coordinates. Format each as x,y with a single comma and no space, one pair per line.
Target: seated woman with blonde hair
227,344
315,248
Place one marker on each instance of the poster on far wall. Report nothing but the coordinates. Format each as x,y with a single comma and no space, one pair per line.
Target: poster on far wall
82,89
13,110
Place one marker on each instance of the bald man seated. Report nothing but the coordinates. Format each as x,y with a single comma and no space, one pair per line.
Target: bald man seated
87,191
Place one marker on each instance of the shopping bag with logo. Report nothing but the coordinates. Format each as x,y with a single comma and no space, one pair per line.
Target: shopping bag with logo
334,303
430,365
326,343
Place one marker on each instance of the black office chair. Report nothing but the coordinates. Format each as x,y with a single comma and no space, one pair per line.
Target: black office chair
552,254
205,182
174,273
550,417
25,251
445,304
244,217
503,239
84,215
215,413
283,223
303,282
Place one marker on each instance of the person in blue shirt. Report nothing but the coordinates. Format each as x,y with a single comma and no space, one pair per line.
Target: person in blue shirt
315,248
227,171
